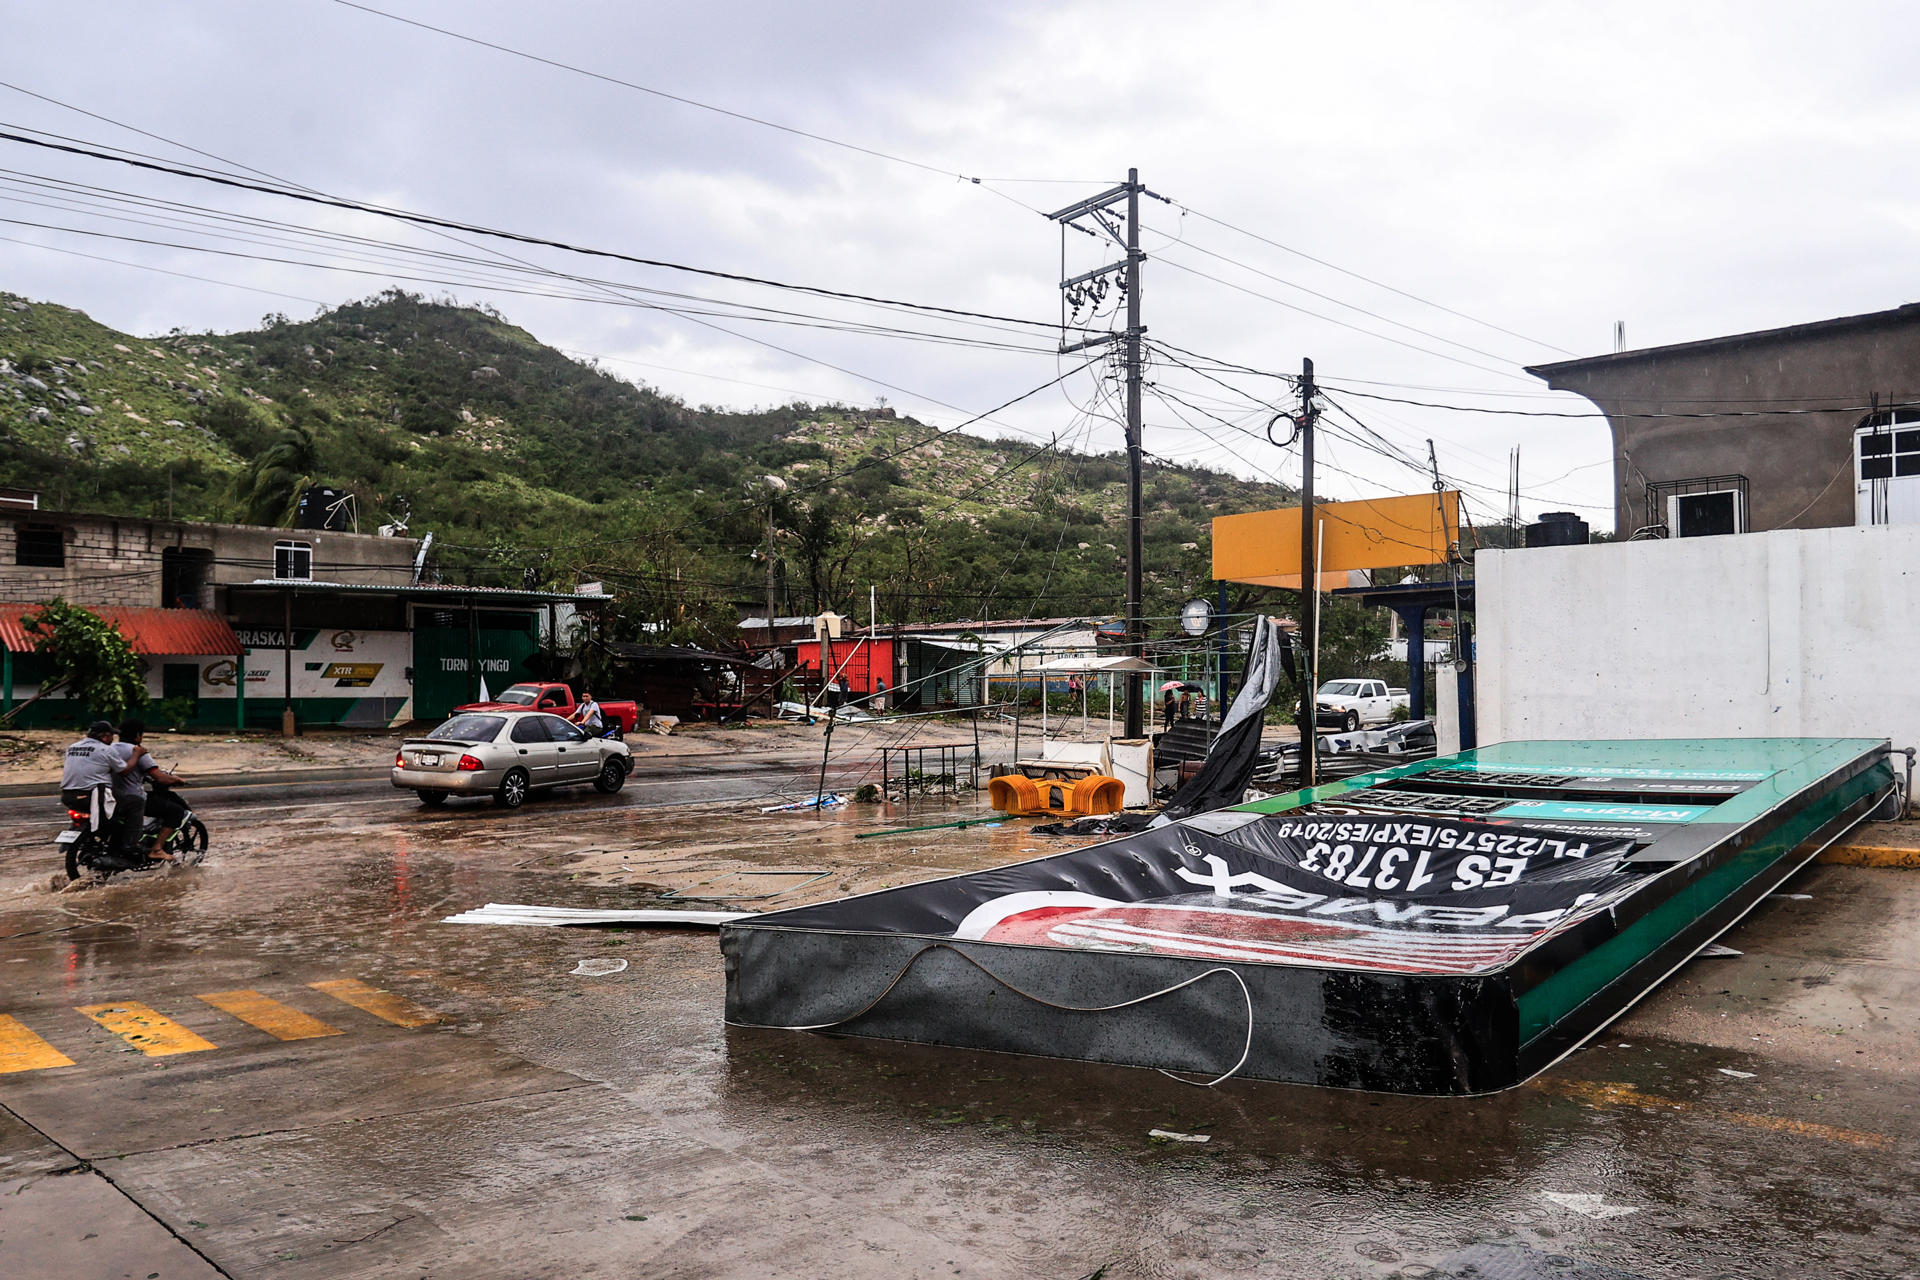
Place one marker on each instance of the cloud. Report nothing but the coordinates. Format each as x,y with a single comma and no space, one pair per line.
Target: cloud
1694,172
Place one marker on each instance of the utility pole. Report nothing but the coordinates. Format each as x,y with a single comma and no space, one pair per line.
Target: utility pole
770,644
1086,291
1309,587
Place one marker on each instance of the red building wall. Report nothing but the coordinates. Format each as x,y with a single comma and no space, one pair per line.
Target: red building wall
859,661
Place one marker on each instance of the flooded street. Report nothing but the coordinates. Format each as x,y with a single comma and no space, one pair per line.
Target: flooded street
283,1064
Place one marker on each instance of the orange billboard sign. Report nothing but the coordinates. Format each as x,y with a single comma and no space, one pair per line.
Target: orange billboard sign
1263,547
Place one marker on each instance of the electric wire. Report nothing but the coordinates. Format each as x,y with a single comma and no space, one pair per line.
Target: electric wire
8,133
1412,297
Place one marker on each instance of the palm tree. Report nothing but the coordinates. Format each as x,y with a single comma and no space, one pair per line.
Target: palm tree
270,488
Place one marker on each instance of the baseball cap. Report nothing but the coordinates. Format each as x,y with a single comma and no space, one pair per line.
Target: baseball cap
100,728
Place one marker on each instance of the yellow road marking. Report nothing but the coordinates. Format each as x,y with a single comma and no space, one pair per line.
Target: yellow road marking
1607,1093
272,1017
398,1010
151,1033
21,1050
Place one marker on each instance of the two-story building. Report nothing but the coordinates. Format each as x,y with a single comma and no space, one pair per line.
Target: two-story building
241,624
1799,450
1812,426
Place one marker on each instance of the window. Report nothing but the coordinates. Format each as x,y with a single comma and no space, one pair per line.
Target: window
1885,454
293,560
562,731
40,546
529,729
183,577
468,728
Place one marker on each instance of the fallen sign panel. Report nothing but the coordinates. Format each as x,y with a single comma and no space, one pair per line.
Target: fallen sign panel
1442,927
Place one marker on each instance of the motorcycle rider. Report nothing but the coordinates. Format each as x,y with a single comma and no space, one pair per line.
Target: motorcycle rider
130,790
87,775
587,715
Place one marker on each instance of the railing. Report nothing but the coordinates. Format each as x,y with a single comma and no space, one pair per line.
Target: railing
910,765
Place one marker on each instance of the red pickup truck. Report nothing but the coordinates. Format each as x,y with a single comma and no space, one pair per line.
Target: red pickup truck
557,699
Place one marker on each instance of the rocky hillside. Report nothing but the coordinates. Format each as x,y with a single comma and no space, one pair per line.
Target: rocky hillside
531,466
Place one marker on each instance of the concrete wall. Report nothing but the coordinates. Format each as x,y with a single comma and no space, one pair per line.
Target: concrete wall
1759,635
1798,465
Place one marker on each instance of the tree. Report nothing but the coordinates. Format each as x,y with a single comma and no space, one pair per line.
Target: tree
87,656
270,488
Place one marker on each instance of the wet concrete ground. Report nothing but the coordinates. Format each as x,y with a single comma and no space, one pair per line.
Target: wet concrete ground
457,1103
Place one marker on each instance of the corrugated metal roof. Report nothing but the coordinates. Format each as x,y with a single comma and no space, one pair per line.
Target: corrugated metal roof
420,592
172,632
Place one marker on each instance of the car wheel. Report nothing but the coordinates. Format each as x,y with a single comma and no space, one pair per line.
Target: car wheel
513,789
432,799
613,776
1353,722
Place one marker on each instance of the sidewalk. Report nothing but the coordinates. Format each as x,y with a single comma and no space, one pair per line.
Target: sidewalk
1878,844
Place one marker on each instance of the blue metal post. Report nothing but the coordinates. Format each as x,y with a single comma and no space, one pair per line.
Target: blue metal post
1414,619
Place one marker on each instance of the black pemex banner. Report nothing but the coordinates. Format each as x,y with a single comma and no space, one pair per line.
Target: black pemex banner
1418,895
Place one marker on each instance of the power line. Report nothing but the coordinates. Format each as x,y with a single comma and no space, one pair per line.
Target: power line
387,272
1325,297
1542,413
141,266
1326,319
448,224
557,65
1378,284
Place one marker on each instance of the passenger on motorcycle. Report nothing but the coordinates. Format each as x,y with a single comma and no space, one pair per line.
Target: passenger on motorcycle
90,769
130,791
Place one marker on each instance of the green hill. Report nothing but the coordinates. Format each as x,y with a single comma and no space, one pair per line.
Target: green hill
532,467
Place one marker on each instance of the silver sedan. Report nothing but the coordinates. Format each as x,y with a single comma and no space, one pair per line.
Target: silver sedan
508,755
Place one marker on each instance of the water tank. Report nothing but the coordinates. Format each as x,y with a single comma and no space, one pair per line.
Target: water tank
1557,529
321,507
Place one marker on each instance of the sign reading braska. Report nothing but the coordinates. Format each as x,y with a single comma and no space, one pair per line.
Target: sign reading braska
1414,894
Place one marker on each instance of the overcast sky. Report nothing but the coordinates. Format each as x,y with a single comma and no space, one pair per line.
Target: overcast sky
1692,170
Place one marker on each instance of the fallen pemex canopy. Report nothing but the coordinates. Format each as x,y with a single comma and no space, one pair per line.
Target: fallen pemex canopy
1451,926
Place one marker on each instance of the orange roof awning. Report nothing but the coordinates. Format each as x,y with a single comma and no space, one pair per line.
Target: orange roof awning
156,632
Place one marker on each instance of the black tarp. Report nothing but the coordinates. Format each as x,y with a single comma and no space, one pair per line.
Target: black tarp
1224,777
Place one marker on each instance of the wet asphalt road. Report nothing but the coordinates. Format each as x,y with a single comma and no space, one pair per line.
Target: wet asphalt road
281,1064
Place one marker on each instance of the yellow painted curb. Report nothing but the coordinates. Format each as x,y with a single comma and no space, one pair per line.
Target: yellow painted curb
1871,855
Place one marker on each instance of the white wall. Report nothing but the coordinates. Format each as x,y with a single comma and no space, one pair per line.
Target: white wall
1787,634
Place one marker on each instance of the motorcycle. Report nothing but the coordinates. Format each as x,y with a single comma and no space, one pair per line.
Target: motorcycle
90,847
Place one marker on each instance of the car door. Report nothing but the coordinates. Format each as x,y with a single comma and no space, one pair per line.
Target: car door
534,749
576,757
1377,701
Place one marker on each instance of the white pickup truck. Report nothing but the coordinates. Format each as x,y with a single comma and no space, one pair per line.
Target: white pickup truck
1349,704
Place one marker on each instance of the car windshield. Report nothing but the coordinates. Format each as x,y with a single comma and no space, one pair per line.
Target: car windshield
1345,687
517,696
469,729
